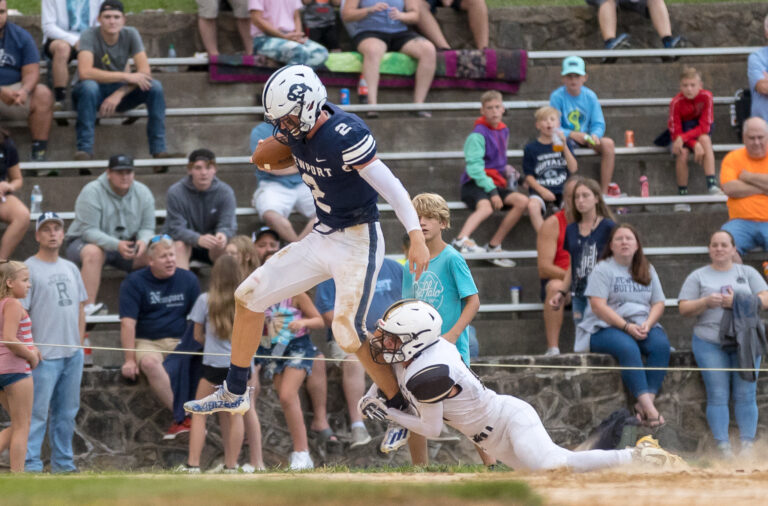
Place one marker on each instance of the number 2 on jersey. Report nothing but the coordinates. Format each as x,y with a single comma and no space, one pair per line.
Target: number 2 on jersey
317,193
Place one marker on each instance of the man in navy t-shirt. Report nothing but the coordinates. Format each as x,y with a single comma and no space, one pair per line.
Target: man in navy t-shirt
154,304
21,95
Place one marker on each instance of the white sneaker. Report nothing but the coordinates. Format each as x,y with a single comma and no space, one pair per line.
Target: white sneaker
467,245
360,437
551,352
220,400
501,262
300,461
183,468
250,469
92,309
682,208
715,190
394,437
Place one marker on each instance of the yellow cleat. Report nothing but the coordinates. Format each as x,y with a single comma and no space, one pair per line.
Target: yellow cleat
648,451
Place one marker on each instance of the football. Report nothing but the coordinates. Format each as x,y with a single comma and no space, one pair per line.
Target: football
271,154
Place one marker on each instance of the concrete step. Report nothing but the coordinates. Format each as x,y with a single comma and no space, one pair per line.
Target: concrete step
524,334
394,132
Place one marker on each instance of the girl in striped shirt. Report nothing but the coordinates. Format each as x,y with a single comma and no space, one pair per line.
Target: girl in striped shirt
17,359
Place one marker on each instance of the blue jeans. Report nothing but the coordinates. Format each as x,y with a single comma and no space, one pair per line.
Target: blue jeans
748,234
578,306
88,95
719,385
630,352
57,388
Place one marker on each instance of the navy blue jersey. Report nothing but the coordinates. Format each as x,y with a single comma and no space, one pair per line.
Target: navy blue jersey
342,197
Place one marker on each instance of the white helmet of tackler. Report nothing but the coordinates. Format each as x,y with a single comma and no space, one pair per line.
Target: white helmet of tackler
294,90
415,323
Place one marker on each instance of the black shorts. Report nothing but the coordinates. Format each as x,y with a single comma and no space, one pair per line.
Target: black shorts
201,255
47,51
328,36
638,6
394,41
548,207
471,194
215,375
434,4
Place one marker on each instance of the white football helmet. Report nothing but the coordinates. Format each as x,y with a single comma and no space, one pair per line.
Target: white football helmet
407,327
294,90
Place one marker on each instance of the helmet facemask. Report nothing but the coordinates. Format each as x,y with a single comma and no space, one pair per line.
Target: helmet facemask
386,347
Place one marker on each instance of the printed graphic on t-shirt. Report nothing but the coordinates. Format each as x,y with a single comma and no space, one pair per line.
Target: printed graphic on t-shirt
576,119
549,170
78,12
6,60
173,300
628,285
60,283
430,289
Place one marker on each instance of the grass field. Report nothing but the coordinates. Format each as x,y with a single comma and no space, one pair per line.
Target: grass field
317,488
33,6
727,483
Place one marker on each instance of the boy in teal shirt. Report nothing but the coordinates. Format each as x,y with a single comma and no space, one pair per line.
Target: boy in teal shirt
447,284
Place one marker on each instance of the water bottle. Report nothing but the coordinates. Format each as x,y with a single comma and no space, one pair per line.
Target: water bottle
557,142
644,190
36,200
87,352
362,91
172,54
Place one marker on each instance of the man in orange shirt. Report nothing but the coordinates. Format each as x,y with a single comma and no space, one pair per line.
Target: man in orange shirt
744,178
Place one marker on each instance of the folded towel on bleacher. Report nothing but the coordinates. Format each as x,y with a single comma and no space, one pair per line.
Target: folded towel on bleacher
500,69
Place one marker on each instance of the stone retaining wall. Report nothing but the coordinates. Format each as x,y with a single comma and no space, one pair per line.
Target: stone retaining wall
531,28
120,426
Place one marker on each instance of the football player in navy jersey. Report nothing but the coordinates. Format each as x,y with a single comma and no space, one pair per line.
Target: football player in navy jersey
335,153
442,388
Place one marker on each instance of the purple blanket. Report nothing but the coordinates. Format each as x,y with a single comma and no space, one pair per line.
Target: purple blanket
499,69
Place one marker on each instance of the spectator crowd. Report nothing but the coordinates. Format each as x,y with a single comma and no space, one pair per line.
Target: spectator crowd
587,259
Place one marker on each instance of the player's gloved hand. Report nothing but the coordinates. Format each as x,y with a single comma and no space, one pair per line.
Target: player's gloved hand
373,408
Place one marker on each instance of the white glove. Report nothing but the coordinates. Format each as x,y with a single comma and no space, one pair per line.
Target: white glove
373,408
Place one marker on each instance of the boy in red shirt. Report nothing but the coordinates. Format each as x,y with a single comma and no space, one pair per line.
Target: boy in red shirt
691,113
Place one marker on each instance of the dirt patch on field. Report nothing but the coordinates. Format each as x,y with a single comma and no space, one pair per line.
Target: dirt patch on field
713,486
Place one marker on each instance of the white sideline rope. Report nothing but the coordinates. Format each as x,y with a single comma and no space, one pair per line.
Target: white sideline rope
474,364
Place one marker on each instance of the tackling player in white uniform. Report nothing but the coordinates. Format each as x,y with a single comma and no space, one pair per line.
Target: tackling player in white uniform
336,156
441,388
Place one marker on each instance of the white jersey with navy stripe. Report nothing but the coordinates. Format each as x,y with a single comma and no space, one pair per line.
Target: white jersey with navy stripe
342,197
474,408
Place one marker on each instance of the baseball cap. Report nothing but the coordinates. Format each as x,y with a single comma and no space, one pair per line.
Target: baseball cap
573,65
264,230
202,154
121,162
111,5
48,216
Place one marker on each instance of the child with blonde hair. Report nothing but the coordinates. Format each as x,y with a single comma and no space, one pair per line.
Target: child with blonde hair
547,164
213,315
241,248
17,359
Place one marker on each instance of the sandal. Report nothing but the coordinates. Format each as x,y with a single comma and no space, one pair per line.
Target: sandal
325,435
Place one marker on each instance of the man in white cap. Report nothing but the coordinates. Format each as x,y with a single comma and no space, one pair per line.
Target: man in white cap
56,304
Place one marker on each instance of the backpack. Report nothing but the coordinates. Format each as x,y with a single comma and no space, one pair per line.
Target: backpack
741,109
